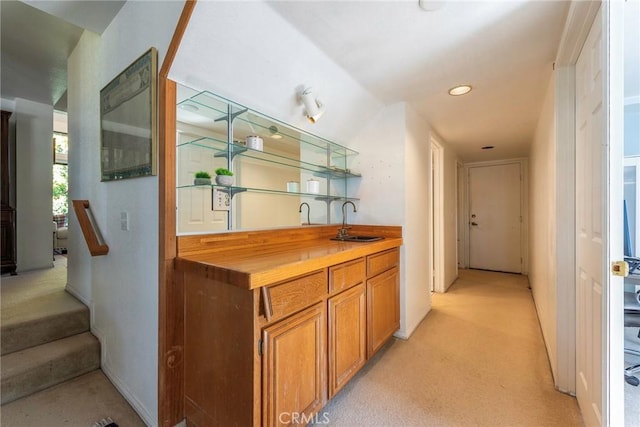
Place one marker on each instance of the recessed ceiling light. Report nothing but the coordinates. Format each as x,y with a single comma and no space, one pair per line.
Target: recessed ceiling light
488,147
460,90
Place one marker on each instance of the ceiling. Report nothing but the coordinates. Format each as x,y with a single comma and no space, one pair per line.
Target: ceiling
36,42
394,49
399,52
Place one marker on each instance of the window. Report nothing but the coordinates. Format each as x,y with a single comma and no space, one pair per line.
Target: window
60,201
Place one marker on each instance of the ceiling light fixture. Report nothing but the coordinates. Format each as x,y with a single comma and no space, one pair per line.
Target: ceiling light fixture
460,90
313,108
430,5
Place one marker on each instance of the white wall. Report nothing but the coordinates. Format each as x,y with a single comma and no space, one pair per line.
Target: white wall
417,217
84,159
383,200
34,177
542,223
121,287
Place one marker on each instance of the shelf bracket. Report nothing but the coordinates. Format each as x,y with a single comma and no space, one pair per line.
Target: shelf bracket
235,150
231,116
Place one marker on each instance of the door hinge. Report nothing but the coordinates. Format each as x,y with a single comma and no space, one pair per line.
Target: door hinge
260,347
620,268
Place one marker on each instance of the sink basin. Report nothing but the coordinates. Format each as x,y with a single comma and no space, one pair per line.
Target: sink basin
358,238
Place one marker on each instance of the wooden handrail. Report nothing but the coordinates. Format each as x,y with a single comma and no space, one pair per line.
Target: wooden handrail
92,235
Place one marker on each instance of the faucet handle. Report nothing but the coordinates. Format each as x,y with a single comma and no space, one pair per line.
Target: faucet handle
343,232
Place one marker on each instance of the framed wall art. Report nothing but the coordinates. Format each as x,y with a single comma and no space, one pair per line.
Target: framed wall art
128,106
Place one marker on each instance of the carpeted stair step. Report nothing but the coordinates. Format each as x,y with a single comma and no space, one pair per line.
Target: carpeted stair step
36,368
40,320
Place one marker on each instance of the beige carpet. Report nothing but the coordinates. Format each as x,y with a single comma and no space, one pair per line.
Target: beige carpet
34,283
477,359
76,403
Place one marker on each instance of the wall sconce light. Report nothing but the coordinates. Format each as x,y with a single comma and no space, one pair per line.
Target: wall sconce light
313,108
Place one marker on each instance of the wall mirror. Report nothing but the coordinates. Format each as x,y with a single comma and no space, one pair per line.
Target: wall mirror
282,176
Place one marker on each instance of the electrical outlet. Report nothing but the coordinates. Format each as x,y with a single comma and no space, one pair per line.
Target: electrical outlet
124,221
221,200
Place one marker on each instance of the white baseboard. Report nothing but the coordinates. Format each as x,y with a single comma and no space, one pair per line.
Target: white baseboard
77,294
405,335
117,382
128,395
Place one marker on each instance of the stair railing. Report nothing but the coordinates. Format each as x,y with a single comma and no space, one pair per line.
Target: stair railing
90,229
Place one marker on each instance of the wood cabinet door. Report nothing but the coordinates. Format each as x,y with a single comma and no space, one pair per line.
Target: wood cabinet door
347,336
383,308
294,368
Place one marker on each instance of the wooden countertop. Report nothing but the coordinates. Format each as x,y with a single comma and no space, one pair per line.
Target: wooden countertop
263,259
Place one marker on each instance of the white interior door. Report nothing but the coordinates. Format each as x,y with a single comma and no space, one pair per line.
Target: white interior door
590,223
437,212
495,217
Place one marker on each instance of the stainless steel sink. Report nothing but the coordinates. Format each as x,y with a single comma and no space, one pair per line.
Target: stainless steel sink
358,238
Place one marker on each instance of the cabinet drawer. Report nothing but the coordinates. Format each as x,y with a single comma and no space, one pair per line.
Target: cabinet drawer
377,263
292,296
344,276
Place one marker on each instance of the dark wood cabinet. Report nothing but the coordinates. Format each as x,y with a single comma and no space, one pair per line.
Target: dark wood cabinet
8,213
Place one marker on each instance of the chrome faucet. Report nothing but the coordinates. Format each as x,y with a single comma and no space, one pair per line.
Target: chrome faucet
344,231
308,211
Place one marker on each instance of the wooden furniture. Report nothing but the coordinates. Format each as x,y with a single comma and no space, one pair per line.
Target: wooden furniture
278,321
8,212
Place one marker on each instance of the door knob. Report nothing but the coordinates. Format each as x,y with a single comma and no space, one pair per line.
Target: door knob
474,223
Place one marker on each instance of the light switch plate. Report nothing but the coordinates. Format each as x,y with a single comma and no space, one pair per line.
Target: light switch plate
221,200
124,221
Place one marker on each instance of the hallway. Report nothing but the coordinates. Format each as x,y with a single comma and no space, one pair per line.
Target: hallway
478,358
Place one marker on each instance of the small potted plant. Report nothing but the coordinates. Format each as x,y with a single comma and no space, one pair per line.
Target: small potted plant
224,177
202,178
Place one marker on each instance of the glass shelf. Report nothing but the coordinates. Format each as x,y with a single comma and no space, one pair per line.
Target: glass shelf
217,108
237,190
221,149
211,134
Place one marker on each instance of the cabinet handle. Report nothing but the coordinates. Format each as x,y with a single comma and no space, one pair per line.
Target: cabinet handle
266,300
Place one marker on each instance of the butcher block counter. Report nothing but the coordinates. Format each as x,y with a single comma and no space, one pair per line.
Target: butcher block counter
278,321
